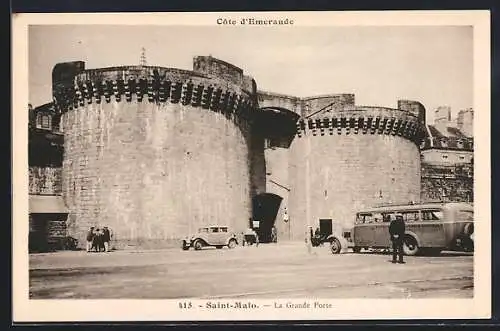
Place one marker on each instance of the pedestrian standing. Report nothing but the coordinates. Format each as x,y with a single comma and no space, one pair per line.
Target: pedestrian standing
397,232
242,237
256,238
90,239
308,238
106,238
274,235
286,220
100,241
96,241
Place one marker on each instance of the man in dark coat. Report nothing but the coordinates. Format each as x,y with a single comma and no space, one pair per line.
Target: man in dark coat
97,243
106,238
397,231
90,238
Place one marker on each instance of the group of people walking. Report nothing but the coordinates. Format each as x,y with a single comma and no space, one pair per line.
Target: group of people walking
98,239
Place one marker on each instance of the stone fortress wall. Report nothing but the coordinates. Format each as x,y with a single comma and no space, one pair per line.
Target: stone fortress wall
156,152
344,158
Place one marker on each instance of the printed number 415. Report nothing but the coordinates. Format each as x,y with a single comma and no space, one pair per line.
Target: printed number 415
185,305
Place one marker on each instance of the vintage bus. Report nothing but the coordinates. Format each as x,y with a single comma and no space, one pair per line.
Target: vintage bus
430,228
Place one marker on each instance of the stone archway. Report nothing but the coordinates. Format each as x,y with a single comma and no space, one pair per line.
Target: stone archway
265,208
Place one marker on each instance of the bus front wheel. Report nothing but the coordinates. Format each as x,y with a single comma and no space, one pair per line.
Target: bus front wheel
410,246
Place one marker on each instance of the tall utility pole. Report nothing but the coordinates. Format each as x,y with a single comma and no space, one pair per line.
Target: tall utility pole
143,62
308,182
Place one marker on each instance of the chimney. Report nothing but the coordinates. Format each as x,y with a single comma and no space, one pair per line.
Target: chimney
442,118
465,122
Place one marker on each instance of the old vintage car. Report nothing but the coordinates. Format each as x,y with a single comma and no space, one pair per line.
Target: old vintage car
215,236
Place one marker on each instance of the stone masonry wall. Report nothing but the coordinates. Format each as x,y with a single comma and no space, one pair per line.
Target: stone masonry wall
348,173
454,189
447,182
45,180
154,171
326,103
352,158
268,99
278,182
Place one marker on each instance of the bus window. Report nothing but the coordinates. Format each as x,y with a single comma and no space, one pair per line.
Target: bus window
363,218
376,218
386,217
411,216
432,215
465,215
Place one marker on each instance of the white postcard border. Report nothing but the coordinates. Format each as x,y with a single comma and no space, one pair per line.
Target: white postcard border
344,309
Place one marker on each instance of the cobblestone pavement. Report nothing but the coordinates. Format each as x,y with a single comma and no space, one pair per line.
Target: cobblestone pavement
269,271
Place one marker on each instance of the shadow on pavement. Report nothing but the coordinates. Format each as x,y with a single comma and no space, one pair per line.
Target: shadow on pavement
423,255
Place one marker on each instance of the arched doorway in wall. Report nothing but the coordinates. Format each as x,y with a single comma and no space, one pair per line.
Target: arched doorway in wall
265,208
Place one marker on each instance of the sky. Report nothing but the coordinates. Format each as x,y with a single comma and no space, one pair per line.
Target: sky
430,64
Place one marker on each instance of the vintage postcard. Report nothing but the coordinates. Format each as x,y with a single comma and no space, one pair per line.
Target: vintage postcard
251,166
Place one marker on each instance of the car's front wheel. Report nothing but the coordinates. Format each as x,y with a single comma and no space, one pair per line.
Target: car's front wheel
198,245
232,243
335,246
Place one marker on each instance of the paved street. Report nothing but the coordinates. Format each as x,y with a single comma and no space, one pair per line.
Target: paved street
270,271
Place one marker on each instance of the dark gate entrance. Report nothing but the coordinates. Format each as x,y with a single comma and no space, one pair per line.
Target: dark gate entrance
38,235
265,209
47,222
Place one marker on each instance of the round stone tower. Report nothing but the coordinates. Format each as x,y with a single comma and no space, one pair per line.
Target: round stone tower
346,157
153,153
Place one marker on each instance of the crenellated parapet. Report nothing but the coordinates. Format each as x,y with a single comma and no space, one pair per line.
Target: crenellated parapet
155,85
189,92
363,120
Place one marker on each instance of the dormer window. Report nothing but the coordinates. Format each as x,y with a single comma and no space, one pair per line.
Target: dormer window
460,144
43,121
444,143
